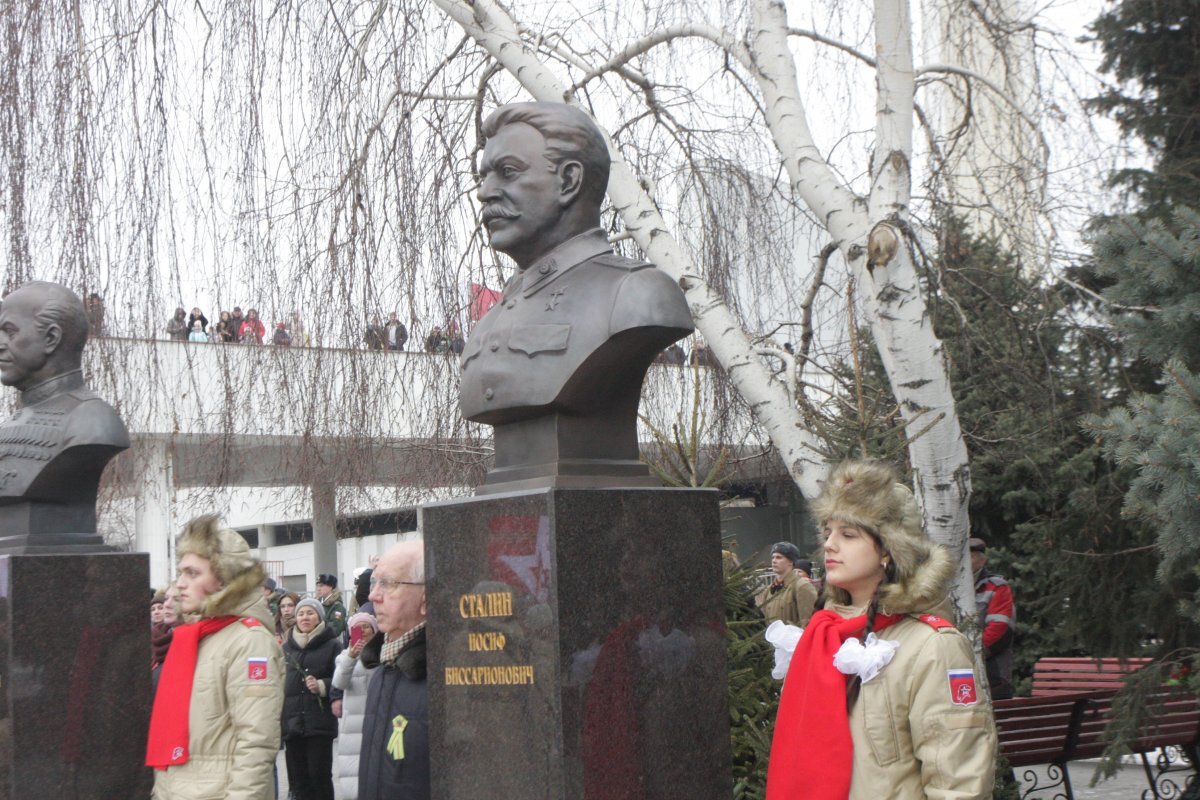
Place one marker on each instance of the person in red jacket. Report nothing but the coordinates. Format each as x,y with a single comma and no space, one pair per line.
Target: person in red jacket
997,615
252,329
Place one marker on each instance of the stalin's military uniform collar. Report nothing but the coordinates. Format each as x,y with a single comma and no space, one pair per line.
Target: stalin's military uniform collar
59,384
560,260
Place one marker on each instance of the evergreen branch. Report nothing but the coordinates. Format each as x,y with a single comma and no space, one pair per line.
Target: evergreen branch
1101,298
1125,552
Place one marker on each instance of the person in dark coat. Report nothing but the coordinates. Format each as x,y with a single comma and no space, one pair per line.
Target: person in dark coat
362,592
197,315
177,328
309,726
224,328
236,319
94,307
391,766
375,337
281,337
161,630
395,334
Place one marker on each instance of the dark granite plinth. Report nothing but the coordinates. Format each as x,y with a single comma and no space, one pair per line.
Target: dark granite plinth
576,646
67,544
74,676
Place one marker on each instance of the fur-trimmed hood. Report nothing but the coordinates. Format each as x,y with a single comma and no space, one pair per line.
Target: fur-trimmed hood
241,598
241,574
868,494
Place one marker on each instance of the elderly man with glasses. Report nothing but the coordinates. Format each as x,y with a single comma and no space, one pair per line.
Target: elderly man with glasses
394,764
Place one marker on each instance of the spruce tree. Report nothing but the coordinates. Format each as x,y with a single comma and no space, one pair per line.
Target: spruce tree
1149,267
1156,265
1148,264
1153,50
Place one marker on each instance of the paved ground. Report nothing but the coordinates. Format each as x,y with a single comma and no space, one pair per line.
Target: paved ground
1128,784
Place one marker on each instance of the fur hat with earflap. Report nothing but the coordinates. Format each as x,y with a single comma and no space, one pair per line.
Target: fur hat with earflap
241,575
868,494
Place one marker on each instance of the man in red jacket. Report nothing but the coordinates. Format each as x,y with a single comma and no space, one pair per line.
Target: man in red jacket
997,615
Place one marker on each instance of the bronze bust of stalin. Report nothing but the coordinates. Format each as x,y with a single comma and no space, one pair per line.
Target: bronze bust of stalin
556,366
54,449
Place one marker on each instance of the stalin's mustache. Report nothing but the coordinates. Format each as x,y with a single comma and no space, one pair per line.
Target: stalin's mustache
497,212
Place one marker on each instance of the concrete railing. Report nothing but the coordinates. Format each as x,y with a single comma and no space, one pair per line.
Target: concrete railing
167,387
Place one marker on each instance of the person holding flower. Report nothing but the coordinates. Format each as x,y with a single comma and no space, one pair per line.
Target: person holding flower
881,698
309,725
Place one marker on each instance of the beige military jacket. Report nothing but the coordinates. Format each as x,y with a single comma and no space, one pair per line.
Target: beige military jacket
792,604
233,723
923,728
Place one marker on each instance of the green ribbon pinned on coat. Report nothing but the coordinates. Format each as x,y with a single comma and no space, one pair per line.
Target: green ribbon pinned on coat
395,745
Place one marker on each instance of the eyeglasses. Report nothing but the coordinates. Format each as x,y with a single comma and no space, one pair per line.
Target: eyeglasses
387,584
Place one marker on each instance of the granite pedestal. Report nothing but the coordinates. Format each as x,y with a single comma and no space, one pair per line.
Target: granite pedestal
74,676
576,646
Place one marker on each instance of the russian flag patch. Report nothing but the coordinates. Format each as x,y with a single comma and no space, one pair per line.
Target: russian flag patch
962,687
256,668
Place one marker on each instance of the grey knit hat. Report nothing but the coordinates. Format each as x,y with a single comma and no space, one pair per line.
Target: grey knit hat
311,603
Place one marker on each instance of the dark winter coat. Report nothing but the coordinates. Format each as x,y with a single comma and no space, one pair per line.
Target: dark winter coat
399,689
203,321
305,713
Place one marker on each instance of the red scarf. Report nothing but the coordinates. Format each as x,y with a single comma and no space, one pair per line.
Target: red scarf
168,742
811,751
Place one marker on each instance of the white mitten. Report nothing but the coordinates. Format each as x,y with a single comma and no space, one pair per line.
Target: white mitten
865,661
784,638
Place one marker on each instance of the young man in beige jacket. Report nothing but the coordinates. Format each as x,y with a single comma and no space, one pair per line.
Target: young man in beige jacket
214,731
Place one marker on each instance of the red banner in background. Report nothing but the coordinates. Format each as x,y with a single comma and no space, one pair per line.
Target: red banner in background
482,298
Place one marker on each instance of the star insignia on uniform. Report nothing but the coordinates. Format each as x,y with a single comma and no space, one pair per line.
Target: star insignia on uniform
552,303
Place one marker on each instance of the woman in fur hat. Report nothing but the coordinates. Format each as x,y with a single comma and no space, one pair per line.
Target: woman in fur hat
309,726
880,699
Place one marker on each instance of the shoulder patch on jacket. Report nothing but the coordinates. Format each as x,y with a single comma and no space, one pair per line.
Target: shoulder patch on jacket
936,622
962,687
256,668
251,622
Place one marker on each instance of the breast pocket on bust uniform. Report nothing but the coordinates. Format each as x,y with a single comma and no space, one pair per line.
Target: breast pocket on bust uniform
473,348
880,721
544,338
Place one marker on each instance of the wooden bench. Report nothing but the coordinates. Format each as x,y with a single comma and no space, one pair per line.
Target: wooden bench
1066,718
1073,675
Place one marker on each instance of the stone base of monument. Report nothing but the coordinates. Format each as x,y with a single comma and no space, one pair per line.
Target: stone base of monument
576,646
74,676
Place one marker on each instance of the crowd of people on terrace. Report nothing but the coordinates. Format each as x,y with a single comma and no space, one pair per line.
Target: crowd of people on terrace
238,327
235,327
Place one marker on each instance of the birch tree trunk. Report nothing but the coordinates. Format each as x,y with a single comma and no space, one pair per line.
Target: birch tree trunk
895,308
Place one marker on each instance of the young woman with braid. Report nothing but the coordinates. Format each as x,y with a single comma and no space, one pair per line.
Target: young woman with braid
880,699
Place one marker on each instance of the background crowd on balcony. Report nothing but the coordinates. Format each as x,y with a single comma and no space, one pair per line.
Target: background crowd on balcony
236,327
